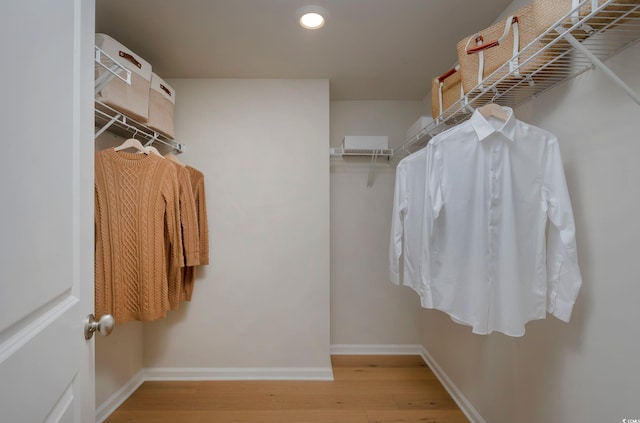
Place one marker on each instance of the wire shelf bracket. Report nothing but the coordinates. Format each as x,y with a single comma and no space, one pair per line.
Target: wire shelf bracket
373,153
113,70
600,65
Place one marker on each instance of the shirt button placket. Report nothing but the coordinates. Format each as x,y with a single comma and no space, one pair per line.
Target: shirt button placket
492,236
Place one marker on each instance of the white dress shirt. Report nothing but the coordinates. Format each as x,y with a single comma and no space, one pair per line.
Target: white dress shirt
406,246
492,187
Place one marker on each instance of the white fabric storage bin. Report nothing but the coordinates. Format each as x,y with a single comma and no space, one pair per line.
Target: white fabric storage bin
162,99
132,100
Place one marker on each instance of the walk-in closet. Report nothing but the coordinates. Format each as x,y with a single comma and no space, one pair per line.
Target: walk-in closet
407,211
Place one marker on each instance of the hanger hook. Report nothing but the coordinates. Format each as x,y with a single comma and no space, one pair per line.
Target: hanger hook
495,94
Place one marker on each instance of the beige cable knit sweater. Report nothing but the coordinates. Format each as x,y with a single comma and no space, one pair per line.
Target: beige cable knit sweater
197,184
138,240
188,225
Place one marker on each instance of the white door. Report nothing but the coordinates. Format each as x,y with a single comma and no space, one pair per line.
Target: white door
46,210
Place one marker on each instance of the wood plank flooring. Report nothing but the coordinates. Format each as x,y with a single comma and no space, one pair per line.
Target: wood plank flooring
366,389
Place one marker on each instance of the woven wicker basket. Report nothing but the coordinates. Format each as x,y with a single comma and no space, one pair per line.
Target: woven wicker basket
549,12
445,91
495,54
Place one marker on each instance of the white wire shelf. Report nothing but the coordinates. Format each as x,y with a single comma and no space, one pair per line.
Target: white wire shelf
569,49
107,118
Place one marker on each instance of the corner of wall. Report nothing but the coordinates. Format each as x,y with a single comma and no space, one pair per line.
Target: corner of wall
111,404
118,359
458,396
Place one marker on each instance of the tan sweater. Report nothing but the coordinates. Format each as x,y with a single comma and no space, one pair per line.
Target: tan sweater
138,242
197,184
188,218
188,227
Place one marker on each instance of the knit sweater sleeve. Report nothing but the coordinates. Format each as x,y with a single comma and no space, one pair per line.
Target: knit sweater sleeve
197,184
173,237
203,225
188,219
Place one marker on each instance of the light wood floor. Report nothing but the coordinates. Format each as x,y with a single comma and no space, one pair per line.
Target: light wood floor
380,389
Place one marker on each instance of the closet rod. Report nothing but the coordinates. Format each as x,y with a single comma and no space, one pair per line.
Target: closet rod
130,125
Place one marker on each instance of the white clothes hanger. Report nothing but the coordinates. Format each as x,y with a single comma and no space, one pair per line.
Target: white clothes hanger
493,110
132,143
152,149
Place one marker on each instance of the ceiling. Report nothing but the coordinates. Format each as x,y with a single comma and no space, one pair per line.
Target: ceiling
368,49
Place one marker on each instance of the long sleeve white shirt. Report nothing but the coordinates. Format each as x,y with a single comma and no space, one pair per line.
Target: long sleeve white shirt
407,225
492,188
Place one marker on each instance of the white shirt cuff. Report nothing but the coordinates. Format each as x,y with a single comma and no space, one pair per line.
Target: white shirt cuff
394,278
562,310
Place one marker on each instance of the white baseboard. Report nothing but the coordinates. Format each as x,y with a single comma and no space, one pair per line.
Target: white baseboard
257,373
467,408
114,401
375,349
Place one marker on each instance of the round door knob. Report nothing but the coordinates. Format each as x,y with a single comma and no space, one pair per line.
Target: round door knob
104,326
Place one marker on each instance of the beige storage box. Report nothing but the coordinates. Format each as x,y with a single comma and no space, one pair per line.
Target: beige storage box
132,100
162,100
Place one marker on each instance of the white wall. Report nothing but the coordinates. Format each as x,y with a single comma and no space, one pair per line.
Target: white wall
263,302
586,370
365,307
118,360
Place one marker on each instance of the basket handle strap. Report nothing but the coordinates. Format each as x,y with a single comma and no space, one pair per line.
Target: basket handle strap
165,89
448,73
130,58
479,42
511,22
513,63
441,79
575,15
440,85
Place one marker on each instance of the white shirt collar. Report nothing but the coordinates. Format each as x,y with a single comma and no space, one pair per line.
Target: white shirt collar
483,128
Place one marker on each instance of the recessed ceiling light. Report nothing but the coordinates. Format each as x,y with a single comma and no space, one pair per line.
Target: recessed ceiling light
312,17
312,20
